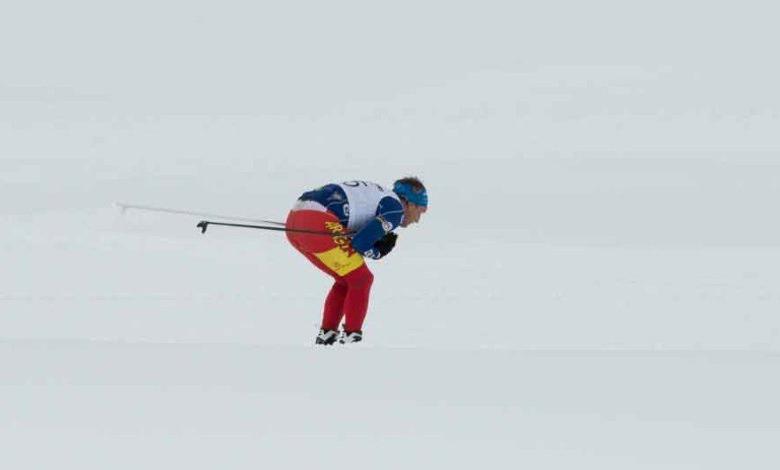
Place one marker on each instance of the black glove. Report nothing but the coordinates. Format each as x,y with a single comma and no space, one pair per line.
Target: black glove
382,247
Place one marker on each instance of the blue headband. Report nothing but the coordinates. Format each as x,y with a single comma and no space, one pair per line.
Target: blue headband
415,196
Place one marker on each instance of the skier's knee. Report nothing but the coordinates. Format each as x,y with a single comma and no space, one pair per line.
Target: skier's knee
362,279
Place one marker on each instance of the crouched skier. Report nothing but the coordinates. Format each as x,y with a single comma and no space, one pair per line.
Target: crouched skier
361,215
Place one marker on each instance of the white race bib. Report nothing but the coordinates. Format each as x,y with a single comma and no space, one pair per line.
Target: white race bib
363,198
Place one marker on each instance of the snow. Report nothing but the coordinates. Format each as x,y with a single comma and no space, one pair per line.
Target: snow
595,284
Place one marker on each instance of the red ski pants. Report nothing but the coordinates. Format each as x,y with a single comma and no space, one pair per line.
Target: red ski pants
348,298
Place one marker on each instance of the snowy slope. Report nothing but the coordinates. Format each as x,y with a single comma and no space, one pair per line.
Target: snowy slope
595,284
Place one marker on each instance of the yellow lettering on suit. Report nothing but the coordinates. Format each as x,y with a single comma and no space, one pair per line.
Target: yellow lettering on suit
342,259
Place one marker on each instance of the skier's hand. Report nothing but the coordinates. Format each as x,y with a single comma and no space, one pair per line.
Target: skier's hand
382,247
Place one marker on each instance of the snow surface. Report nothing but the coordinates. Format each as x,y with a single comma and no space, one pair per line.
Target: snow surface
595,285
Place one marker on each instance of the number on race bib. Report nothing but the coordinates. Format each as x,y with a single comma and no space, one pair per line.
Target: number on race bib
356,183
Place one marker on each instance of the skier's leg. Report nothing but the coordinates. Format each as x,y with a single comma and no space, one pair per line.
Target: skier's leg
356,302
348,298
334,306
333,310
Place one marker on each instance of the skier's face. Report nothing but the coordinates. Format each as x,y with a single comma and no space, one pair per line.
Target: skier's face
412,214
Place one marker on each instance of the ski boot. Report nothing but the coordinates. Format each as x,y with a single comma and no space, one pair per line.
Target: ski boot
351,337
327,337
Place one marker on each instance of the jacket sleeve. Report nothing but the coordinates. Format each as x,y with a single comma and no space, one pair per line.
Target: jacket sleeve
388,217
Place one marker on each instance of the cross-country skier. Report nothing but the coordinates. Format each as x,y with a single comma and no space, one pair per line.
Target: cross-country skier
361,216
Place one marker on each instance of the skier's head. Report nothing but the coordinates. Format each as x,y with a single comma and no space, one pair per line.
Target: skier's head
413,197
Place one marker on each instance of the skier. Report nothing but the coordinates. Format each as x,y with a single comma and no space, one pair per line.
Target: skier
361,215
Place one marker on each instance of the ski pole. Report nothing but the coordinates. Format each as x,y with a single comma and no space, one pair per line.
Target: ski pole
124,207
203,225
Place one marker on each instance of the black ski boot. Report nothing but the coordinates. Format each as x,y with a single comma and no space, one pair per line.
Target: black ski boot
351,337
327,337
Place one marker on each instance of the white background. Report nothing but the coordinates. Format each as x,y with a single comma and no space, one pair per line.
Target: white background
595,284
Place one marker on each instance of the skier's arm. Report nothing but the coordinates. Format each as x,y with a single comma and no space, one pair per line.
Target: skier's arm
388,217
